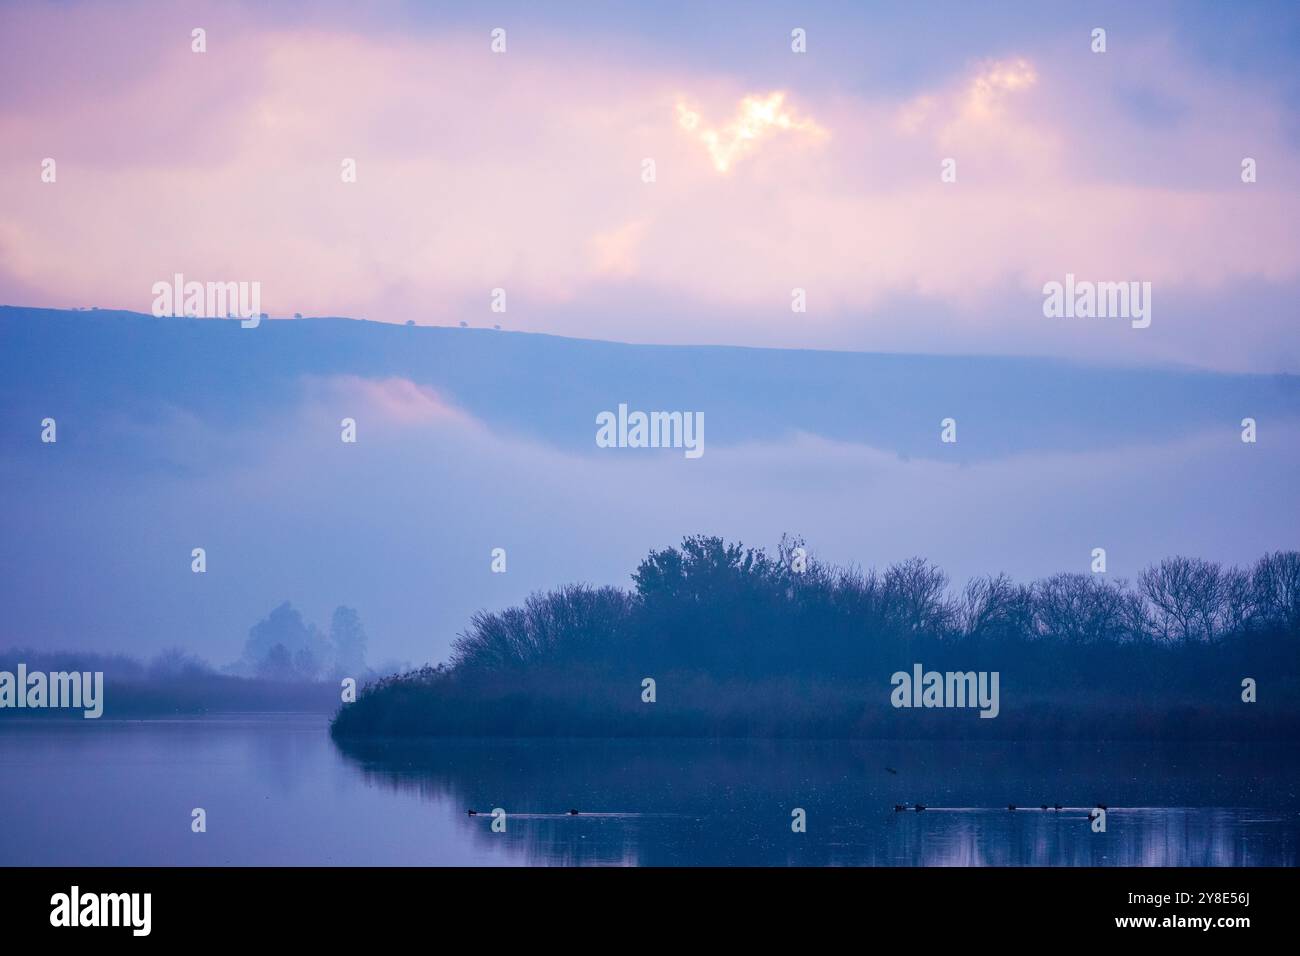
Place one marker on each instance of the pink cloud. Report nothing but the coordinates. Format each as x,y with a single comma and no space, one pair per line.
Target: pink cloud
523,171
393,402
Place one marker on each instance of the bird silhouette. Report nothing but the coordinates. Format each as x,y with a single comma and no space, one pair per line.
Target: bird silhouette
573,813
1011,806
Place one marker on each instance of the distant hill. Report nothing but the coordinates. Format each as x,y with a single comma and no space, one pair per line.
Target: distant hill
549,388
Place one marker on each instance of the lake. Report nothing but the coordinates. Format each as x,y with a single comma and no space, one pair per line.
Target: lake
277,790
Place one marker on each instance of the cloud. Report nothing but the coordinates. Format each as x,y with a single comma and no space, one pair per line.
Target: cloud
614,252
393,401
757,119
523,172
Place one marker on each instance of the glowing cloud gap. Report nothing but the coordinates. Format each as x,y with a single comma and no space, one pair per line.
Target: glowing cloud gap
756,118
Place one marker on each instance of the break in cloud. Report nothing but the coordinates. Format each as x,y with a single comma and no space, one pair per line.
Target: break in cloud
524,171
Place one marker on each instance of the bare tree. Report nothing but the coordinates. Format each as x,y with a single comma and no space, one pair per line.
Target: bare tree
1275,585
1084,609
1240,607
1189,597
575,621
996,607
916,591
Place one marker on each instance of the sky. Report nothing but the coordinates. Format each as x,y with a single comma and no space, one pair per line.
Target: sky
773,171
671,175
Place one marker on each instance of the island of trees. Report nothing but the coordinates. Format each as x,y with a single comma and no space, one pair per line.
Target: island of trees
740,642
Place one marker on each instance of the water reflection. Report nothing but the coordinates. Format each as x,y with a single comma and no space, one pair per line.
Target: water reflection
277,790
729,803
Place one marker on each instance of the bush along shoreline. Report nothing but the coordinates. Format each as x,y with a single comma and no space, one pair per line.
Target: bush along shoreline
715,639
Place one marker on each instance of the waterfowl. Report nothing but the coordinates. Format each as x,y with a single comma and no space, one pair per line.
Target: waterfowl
472,813
1011,806
573,813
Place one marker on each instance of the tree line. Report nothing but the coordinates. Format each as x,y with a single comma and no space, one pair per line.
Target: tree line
723,607
746,642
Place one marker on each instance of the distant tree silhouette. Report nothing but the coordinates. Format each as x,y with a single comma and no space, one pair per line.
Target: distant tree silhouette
175,662
284,645
276,664
348,639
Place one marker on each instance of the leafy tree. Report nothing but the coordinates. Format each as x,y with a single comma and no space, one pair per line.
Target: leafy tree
713,605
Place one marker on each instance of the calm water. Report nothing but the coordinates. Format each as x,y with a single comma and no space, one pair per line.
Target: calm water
277,790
